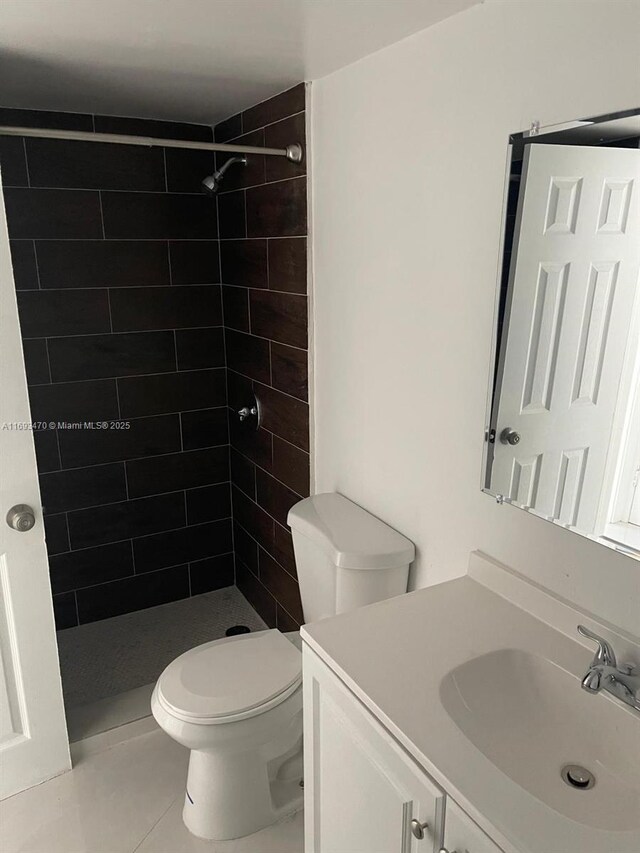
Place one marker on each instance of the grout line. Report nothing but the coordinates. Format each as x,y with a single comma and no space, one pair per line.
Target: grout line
168,242
150,287
164,167
109,307
264,183
181,433
26,160
132,376
46,346
104,235
145,536
35,257
135,459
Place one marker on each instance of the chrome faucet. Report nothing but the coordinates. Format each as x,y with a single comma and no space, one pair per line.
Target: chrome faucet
622,681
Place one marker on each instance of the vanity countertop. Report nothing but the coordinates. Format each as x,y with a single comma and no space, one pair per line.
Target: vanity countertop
394,656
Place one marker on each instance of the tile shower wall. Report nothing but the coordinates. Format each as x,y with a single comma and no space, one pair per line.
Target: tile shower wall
116,265
263,226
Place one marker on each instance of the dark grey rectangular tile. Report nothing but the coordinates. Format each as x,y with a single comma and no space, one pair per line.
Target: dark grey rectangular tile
147,308
64,610
53,313
13,162
195,261
102,263
47,454
243,473
212,573
288,264
136,593
274,497
145,437
257,522
75,401
154,128
255,445
281,585
36,361
229,128
157,216
200,348
284,416
98,356
280,134
189,543
177,471
186,169
279,316
52,214
25,269
115,522
56,533
172,392
204,428
291,466
82,487
257,595
246,547
78,569
277,210
289,370
235,301
94,165
45,119
248,355
284,104
209,503
244,262
231,210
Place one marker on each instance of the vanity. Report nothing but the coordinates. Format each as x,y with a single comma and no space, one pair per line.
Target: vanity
453,719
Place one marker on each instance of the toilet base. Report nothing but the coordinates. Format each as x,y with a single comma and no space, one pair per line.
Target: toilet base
230,796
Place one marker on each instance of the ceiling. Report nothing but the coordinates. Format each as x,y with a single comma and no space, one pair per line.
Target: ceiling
188,60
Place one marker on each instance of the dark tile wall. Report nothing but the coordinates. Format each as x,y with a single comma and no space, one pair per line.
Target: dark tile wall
116,264
263,225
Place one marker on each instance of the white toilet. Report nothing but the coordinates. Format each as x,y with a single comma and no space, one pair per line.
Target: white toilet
236,703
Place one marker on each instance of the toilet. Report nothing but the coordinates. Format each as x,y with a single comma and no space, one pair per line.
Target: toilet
236,703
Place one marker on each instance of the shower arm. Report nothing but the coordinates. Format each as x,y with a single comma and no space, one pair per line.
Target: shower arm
292,152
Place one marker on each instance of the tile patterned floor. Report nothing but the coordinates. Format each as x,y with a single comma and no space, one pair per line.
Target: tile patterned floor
127,799
116,655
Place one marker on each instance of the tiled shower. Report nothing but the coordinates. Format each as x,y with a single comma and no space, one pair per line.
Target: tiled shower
149,313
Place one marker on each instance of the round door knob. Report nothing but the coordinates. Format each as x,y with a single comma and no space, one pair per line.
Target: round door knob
418,828
509,436
21,517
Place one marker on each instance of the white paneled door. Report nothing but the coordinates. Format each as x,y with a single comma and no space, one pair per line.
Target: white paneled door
574,282
33,735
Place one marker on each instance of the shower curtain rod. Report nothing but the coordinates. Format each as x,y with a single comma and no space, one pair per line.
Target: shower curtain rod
292,152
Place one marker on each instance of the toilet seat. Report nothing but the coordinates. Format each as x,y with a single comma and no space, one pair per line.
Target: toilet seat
231,679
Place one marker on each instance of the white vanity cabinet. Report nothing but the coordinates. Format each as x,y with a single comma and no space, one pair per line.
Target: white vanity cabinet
462,835
363,791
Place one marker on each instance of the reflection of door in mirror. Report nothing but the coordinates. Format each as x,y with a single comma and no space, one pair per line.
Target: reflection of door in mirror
569,361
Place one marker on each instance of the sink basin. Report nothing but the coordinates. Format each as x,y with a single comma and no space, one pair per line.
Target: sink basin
531,718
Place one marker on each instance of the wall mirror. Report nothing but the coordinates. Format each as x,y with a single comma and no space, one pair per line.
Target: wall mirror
563,431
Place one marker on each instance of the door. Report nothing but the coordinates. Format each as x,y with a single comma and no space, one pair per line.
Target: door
461,835
573,283
363,793
33,735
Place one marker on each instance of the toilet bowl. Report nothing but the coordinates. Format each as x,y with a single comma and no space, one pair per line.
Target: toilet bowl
236,703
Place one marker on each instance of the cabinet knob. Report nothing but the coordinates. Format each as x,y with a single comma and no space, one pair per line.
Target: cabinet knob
418,828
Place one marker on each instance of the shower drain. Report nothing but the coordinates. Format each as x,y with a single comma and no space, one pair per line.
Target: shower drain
578,777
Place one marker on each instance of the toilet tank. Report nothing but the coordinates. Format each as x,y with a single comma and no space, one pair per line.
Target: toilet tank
345,557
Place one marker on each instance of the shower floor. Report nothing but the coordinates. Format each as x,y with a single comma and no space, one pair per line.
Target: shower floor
120,658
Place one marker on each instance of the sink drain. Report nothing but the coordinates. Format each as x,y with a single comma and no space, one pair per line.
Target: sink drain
578,777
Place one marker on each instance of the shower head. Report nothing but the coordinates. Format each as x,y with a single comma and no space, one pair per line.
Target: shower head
211,184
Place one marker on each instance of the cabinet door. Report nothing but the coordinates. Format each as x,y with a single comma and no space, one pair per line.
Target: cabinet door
362,790
462,835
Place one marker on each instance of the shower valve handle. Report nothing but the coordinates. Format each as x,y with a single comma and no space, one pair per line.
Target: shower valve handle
246,412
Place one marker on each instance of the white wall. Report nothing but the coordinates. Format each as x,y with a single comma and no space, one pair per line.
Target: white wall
409,152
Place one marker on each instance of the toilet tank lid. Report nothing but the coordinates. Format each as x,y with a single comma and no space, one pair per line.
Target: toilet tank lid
351,536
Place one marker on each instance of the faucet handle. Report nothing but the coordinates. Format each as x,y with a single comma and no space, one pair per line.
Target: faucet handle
605,653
